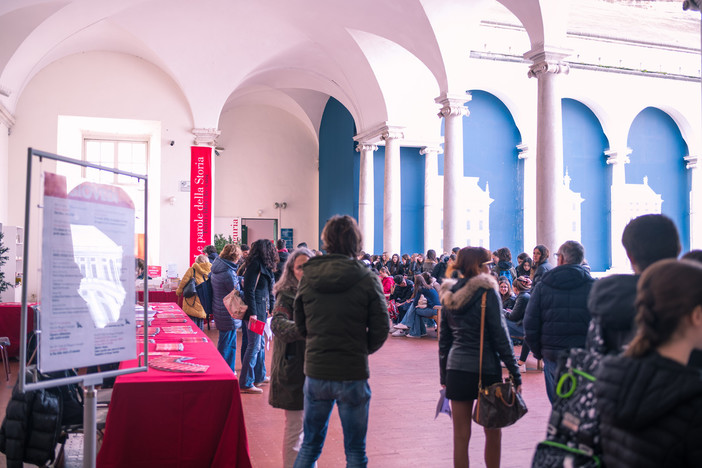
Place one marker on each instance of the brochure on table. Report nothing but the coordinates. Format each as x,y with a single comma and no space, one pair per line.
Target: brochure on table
87,309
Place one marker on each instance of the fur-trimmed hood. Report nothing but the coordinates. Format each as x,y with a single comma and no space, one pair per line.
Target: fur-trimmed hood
459,298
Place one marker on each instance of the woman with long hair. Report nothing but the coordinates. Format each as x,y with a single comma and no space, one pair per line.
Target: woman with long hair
191,305
506,294
287,376
412,325
430,261
540,264
649,399
386,280
258,295
459,348
522,288
394,265
224,280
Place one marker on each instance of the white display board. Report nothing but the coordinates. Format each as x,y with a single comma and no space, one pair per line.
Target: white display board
87,313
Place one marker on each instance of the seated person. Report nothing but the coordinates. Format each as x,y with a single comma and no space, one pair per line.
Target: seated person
402,295
522,288
412,325
386,281
506,293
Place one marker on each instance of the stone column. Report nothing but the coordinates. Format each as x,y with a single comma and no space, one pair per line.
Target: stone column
549,144
432,198
617,158
526,154
7,121
392,227
366,203
693,163
453,110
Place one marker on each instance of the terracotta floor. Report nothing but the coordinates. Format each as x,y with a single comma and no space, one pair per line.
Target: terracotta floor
402,430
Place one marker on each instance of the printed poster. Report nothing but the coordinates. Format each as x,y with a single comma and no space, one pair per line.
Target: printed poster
87,313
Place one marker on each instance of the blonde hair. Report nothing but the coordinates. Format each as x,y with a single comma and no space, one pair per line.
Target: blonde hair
231,252
202,259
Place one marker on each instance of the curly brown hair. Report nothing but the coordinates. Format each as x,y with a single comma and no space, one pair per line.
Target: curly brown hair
263,251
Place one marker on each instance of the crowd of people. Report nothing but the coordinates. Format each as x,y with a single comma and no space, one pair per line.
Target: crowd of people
330,311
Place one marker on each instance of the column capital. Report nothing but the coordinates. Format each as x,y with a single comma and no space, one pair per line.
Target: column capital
429,150
693,162
547,60
394,133
205,136
453,104
620,156
366,147
379,133
6,118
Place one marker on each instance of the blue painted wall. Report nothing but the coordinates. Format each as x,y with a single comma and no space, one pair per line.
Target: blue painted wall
657,152
339,170
490,139
584,144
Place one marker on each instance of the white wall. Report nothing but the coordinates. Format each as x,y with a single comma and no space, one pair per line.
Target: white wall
105,84
269,156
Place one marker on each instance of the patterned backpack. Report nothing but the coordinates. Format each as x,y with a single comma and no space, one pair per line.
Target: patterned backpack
573,432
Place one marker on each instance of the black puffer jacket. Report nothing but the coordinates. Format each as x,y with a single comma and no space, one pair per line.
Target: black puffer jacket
31,427
287,376
258,290
611,306
650,412
459,341
341,309
520,305
556,316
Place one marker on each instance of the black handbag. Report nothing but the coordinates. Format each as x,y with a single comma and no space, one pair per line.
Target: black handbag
190,289
205,294
498,405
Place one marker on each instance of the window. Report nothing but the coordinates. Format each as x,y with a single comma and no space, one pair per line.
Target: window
130,156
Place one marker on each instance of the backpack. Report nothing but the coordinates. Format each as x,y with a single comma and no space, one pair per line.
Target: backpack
507,274
573,431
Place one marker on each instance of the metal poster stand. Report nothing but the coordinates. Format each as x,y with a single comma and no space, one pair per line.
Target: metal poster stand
90,380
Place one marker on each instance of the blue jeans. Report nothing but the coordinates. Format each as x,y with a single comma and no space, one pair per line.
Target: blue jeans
418,328
226,345
253,367
550,378
353,398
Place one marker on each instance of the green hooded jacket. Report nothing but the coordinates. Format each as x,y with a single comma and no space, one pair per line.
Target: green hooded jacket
340,308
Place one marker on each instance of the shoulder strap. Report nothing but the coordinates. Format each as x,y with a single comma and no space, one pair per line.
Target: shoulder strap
482,337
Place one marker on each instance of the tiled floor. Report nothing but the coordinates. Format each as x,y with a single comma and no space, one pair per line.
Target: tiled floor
402,430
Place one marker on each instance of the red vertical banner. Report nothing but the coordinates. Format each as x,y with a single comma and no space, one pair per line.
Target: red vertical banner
200,199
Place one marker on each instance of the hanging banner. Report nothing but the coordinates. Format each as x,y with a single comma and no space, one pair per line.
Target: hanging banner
87,287
200,200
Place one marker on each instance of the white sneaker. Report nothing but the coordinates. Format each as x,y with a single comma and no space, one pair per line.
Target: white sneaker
401,326
398,333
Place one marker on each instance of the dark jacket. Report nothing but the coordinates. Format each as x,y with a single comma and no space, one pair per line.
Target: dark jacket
212,256
520,305
287,376
459,340
440,270
539,272
282,258
402,293
224,280
258,290
557,317
31,427
650,412
394,268
611,305
508,303
341,309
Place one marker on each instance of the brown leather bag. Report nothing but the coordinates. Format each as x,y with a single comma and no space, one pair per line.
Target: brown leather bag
498,405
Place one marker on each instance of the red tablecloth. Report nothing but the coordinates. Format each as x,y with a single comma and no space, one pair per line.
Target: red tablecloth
171,419
10,319
162,296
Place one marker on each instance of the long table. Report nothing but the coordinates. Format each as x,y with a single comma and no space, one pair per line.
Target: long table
10,319
171,419
158,295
